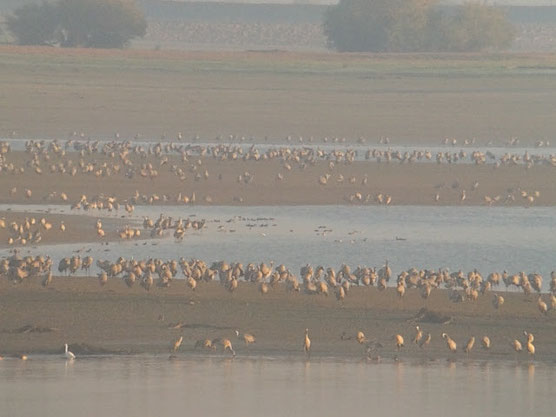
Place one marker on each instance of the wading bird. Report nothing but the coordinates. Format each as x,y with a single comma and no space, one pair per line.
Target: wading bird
418,335
530,345
450,342
469,345
247,338
177,344
69,355
425,341
307,344
399,341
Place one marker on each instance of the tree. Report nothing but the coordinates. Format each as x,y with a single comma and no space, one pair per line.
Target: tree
409,25
476,27
79,23
34,24
348,26
378,25
100,24
3,33
414,25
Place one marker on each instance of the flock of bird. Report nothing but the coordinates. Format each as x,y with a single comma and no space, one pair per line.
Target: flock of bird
126,159
371,348
312,281
306,152
31,230
423,340
318,281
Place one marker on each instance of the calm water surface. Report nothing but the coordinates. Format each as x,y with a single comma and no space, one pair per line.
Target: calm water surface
155,386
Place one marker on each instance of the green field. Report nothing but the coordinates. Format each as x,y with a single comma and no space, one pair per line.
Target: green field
48,92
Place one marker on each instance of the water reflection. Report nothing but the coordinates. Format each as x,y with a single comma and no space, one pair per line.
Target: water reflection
399,377
531,370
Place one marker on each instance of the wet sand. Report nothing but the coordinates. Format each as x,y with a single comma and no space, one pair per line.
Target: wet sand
117,319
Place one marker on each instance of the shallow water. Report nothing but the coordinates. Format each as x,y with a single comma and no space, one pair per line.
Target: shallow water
489,239
155,386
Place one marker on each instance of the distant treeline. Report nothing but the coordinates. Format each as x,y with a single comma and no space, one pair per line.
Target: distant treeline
77,23
291,13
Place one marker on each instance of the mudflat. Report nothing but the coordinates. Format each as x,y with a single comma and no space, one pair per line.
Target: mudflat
272,183
118,319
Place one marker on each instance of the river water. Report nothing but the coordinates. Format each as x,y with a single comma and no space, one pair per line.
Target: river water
489,239
200,386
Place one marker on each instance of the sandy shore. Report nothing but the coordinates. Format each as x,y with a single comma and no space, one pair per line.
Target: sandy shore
117,319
